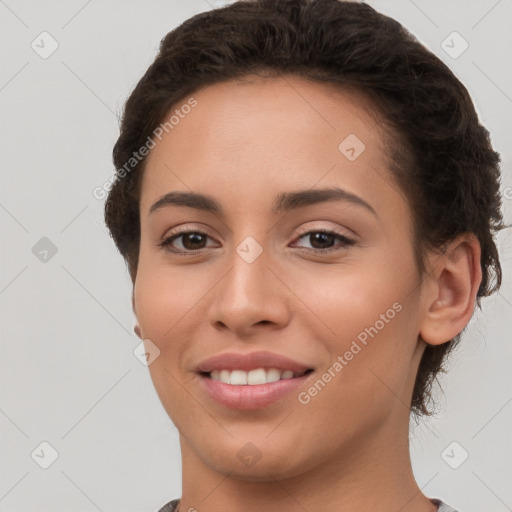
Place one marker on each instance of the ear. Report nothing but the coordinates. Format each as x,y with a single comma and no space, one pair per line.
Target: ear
136,327
454,280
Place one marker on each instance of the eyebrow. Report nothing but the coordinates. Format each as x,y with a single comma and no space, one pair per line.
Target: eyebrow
284,202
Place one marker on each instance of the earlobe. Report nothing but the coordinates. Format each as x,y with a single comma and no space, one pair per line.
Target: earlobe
136,327
457,276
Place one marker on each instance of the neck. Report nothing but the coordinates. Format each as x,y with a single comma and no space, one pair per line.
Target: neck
373,472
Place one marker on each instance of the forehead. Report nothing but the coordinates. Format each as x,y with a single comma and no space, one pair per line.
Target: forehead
260,134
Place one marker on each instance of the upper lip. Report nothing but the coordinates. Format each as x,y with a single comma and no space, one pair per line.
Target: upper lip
250,361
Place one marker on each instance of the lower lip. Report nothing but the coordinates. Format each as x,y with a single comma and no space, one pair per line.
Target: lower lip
250,396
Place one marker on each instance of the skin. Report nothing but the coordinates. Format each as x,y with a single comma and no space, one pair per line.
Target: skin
348,448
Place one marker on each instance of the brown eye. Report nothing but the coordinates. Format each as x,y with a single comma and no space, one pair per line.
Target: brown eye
321,240
325,241
193,240
185,242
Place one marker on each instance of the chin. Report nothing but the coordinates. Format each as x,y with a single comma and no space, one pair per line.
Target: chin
253,465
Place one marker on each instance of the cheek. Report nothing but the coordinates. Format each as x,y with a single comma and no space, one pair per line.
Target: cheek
168,307
366,315
345,300
165,299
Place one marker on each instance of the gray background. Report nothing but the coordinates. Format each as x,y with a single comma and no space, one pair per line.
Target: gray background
68,373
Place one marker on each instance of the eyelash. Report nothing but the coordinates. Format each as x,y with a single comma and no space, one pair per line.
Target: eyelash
166,243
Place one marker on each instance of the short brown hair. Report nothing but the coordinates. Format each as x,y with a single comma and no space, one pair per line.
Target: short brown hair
442,156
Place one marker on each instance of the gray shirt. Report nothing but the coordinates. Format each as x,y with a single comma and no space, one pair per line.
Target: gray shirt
442,507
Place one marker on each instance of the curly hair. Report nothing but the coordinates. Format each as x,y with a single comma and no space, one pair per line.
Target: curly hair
440,154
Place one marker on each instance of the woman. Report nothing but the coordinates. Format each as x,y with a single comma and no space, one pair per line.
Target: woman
307,203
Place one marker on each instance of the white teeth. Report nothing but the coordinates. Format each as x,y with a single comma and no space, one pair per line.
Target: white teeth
273,375
238,377
253,377
258,376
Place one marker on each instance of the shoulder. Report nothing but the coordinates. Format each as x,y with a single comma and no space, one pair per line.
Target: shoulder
170,507
442,507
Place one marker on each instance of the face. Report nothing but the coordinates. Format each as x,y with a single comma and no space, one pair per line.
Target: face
300,259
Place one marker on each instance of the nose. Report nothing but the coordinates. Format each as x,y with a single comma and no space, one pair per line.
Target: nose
248,298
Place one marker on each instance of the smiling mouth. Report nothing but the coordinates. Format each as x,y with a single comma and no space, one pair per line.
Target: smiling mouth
255,377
